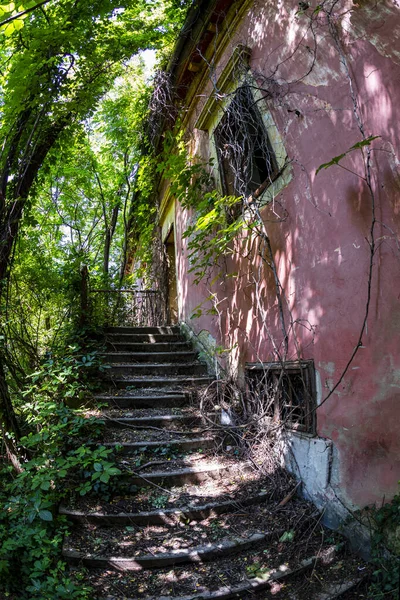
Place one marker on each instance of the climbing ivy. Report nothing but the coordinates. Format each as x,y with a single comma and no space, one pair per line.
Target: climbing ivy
212,229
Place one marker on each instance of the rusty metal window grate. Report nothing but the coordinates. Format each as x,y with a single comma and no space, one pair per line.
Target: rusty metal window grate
247,162
287,391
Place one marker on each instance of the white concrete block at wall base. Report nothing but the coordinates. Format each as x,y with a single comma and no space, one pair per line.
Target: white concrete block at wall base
310,459
315,462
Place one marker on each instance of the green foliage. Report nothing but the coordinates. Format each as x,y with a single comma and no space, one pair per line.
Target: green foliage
80,209
53,74
71,185
212,233
258,571
385,550
215,223
159,500
63,460
358,146
287,536
12,16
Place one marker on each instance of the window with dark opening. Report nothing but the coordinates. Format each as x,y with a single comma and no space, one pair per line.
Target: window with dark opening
287,392
246,159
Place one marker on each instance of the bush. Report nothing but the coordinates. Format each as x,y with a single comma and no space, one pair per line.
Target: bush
59,464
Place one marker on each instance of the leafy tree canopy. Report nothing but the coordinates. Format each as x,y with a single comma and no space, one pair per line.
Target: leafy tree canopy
53,72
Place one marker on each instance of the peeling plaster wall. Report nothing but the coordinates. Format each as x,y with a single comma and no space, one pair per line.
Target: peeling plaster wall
318,227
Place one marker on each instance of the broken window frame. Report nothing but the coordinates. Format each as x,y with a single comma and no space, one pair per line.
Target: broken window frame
270,381
244,150
209,120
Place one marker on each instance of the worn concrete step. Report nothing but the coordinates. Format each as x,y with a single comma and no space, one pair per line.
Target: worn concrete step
179,443
162,421
154,347
238,487
278,583
144,401
173,382
144,338
167,515
139,369
167,329
149,357
177,472
205,470
202,553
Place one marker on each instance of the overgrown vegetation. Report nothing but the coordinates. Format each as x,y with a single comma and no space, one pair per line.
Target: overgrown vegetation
61,458
74,97
78,172
385,549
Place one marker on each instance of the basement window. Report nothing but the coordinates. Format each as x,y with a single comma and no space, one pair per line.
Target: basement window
247,162
287,392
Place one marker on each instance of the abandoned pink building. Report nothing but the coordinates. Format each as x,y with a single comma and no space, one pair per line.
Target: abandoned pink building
309,283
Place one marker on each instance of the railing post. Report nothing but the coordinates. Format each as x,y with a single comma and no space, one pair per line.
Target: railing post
84,293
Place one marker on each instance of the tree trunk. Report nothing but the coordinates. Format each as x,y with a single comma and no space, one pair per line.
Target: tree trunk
7,413
108,239
14,195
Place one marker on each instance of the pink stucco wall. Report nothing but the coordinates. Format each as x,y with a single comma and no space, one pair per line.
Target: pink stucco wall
320,246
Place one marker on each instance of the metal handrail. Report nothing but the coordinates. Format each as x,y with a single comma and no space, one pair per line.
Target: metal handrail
133,307
126,290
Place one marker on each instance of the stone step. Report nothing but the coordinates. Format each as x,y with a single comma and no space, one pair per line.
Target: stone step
147,382
155,347
162,421
162,330
280,582
139,369
167,515
180,443
237,486
203,471
175,502
146,357
144,401
144,338
144,434
197,554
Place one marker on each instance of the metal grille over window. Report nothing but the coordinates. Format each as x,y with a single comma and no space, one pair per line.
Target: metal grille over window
246,160
287,392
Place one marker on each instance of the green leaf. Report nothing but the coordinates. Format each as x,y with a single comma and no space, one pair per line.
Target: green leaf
288,536
336,159
9,30
263,574
365,142
98,467
114,471
18,24
45,515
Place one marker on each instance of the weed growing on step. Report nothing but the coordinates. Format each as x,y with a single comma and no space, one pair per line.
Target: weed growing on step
62,459
159,500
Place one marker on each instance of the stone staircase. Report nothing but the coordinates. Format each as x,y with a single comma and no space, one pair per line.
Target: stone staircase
188,518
